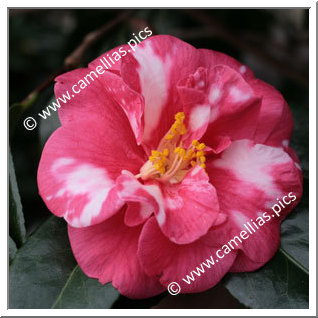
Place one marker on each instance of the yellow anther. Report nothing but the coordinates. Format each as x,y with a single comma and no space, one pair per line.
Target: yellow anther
158,165
177,149
182,129
195,143
174,128
152,158
179,116
162,170
182,152
189,154
201,146
200,154
155,153
170,161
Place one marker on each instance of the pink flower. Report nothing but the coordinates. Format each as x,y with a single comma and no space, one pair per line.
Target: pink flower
160,162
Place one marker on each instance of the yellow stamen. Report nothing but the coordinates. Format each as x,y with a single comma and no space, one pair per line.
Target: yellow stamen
179,116
193,163
201,146
182,152
195,143
202,159
200,154
171,161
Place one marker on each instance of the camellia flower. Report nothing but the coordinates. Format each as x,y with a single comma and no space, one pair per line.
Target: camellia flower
161,161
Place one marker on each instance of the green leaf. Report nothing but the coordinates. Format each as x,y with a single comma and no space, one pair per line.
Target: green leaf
294,235
12,249
49,125
41,267
294,230
83,292
16,218
16,110
281,283
44,274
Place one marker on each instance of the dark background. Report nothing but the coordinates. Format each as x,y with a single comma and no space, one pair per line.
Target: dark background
273,43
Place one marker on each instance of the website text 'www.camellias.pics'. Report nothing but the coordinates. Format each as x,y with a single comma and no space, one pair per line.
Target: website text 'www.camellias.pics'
248,229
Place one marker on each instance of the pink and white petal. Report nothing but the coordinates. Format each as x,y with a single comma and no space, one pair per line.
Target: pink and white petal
249,178
193,94
173,262
212,58
184,211
131,190
262,241
191,207
234,105
130,101
93,102
275,122
108,251
137,213
79,166
153,70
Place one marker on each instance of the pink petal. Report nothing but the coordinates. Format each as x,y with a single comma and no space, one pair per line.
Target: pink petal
130,101
108,251
244,264
191,208
153,70
234,105
212,58
78,168
137,213
249,178
184,211
275,122
172,262
92,101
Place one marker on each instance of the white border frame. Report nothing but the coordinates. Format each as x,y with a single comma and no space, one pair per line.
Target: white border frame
312,161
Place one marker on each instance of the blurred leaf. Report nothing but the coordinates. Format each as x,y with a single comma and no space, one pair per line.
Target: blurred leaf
294,235
294,230
82,292
17,109
41,267
12,249
16,218
281,283
49,125
44,274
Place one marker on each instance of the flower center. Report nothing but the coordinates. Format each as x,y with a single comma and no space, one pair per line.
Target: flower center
171,162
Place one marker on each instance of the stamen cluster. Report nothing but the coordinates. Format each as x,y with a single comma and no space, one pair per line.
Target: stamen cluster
171,160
